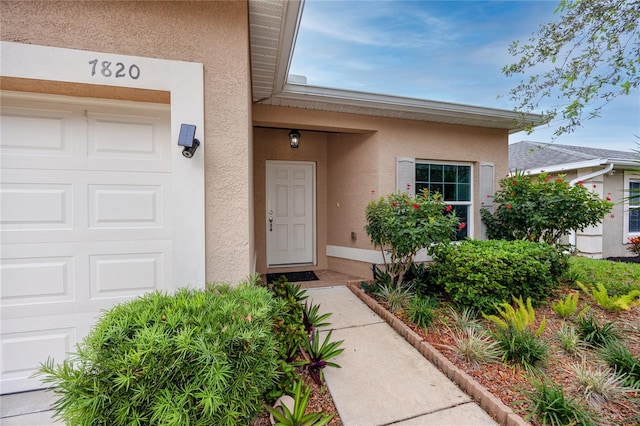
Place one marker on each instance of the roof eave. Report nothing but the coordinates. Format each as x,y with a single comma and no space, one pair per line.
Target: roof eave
559,168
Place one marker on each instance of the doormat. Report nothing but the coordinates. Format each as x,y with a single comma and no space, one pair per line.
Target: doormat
293,277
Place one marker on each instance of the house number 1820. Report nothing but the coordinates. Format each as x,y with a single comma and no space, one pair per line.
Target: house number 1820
117,70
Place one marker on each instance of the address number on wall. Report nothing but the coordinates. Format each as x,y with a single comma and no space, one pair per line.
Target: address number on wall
116,70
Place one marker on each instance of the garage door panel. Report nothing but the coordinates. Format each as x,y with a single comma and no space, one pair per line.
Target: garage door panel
125,206
36,206
27,132
123,137
36,280
25,345
125,275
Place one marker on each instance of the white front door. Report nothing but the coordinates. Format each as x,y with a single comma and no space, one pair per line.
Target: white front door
290,215
85,221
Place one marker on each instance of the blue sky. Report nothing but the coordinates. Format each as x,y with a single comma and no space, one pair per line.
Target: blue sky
439,50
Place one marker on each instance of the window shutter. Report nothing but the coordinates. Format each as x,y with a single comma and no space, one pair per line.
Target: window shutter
406,175
486,186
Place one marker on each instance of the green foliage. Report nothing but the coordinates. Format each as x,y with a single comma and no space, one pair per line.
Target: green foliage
566,306
540,208
520,318
397,297
316,356
475,345
521,347
617,277
289,326
588,56
312,319
422,310
598,384
297,416
477,274
401,225
596,334
569,339
619,357
195,357
610,303
551,406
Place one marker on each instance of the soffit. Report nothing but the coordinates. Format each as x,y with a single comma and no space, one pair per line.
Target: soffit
273,26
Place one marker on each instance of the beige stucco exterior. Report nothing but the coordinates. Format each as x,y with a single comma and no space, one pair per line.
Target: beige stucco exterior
212,33
355,155
356,158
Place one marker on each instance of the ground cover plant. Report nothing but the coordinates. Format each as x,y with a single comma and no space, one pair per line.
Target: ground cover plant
590,372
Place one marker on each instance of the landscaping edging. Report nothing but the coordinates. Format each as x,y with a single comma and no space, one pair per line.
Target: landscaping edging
487,401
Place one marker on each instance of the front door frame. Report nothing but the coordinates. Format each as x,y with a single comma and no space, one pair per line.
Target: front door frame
314,228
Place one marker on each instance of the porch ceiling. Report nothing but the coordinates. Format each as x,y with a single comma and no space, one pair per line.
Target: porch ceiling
273,26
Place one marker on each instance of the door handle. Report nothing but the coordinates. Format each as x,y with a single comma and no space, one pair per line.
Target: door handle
270,220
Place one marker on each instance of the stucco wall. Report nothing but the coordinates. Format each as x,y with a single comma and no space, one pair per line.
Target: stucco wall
212,33
361,158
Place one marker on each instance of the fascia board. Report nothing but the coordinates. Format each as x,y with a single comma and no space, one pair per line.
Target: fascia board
401,104
288,34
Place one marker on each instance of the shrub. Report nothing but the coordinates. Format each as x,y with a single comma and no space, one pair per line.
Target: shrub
610,303
569,339
401,225
477,274
195,357
521,318
596,334
619,357
475,346
521,347
422,310
397,297
634,245
598,384
566,306
540,208
289,327
551,406
617,277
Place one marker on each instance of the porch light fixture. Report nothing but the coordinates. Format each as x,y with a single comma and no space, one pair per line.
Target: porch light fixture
294,138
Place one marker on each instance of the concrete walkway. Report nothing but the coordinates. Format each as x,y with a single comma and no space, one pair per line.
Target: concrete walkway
383,379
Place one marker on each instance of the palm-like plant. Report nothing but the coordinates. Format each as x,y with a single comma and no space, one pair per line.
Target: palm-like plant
312,319
297,416
316,356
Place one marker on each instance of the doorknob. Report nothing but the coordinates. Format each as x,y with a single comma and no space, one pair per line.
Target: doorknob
270,220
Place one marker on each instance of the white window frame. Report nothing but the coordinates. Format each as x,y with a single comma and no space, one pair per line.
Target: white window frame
628,178
471,214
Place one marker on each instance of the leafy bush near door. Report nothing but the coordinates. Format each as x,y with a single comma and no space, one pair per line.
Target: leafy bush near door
478,274
196,357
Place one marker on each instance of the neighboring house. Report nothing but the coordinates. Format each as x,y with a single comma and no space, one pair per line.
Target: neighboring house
608,173
100,205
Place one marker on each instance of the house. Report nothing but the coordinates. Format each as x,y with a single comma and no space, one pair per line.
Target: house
611,174
103,199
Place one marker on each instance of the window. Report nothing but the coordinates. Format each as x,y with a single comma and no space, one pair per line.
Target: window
453,182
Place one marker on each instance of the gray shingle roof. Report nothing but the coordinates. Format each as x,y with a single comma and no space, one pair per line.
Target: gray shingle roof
527,155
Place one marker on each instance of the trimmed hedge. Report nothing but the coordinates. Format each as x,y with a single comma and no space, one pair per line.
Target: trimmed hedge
196,357
477,274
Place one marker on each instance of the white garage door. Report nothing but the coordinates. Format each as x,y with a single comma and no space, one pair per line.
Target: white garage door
85,220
